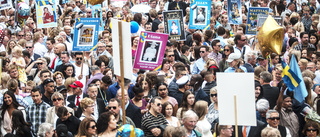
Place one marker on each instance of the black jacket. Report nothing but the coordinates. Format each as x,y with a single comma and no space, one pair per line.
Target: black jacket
72,123
134,113
271,94
255,131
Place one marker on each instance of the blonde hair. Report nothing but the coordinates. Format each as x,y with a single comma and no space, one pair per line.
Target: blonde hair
57,94
37,36
30,83
85,103
9,50
270,132
201,108
17,50
69,81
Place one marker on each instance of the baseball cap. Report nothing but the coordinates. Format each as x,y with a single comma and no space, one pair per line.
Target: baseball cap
233,56
76,84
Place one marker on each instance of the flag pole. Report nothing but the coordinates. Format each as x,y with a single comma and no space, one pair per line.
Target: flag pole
122,73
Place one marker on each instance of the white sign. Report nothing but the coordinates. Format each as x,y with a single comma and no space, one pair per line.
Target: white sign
126,45
242,86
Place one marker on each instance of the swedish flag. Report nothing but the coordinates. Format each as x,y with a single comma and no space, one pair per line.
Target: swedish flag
289,77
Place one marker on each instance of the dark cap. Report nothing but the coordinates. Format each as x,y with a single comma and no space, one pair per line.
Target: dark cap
47,81
260,57
62,130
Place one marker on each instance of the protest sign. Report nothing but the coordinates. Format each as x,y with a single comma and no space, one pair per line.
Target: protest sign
86,34
252,19
200,13
173,24
234,12
150,51
97,13
5,4
46,13
118,3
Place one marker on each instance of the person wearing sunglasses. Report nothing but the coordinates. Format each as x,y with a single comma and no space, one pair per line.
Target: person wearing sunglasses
115,107
241,48
58,101
198,65
213,113
81,68
87,128
273,121
152,120
223,64
311,129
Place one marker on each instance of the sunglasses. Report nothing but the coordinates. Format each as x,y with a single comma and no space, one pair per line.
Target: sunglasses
219,45
163,89
40,63
213,95
170,55
313,130
226,50
274,118
89,12
93,127
29,47
20,35
159,104
202,51
79,58
243,39
77,1
112,107
59,99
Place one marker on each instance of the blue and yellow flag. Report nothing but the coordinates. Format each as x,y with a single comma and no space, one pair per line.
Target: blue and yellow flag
289,77
300,92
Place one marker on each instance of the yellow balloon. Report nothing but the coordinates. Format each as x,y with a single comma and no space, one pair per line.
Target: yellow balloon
94,2
110,25
270,37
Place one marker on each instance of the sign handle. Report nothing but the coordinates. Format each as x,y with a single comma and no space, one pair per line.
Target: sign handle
122,73
235,116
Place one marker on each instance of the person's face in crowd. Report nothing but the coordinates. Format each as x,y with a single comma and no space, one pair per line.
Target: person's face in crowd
102,67
290,32
190,99
31,25
311,66
28,36
92,129
301,66
69,71
169,110
273,121
276,60
62,35
11,21
161,29
145,85
60,40
7,99
49,87
217,48
278,75
305,39
21,35
257,91
153,4
124,11
83,7
14,73
160,17
166,66
109,47
287,103
139,96
28,89
242,41
253,60
219,8
89,13
214,97
227,131
227,51
49,45
203,52
148,28
190,123
5,40
313,39
78,3
79,59
12,44
113,122
67,23
101,48
156,106
136,41
45,76
304,53
90,108
92,92
109,73
262,62
306,13
36,97
59,79
64,58
68,30
311,132
77,91
243,9
170,56
163,91
56,49
114,107
50,133
119,95
57,101
104,15
318,65
110,14
233,63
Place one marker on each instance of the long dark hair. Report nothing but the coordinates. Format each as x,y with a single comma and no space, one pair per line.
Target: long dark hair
65,68
184,104
18,121
103,120
5,106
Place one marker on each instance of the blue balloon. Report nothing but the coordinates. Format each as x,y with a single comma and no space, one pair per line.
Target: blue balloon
23,9
134,27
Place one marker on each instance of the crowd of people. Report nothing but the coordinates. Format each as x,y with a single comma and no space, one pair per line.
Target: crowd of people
47,89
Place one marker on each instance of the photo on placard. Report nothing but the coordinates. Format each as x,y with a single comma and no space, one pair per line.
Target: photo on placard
5,4
199,15
47,15
86,35
174,27
150,51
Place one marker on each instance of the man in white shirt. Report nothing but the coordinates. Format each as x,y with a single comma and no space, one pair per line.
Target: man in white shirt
240,48
50,54
82,69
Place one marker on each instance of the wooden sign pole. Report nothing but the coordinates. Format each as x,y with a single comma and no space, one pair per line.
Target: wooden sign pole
122,73
235,115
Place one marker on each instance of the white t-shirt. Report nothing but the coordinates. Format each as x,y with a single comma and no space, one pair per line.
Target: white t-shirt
40,49
85,72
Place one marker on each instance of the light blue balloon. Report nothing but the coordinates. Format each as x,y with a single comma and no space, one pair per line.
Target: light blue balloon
134,26
23,9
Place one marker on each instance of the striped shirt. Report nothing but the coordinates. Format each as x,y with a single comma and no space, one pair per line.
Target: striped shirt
150,122
36,115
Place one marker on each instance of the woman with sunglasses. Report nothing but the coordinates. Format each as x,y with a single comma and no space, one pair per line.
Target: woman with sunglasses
223,64
213,113
162,89
58,101
310,129
87,128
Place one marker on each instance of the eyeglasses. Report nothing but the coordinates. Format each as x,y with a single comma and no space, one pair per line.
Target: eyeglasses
79,58
243,39
93,127
170,55
202,51
226,50
213,95
20,35
160,17
91,85
77,1
163,89
159,104
29,47
219,45
274,118
313,130
112,107
183,74
58,99
32,23
40,63
244,20
89,12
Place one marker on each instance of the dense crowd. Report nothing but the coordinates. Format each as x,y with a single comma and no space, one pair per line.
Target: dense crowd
47,89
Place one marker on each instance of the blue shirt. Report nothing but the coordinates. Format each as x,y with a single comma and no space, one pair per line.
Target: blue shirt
113,89
198,66
221,41
230,69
